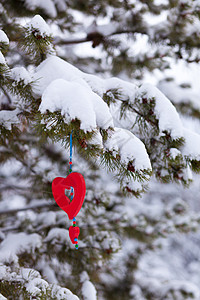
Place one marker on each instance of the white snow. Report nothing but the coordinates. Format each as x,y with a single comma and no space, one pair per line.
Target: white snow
38,23
133,185
128,89
47,5
53,68
187,174
2,59
88,290
16,243
20,73
177,94
29,274
7,118
76,101
96,139
59,234
59,293
174,153
63,88
164,110
47,218
191,148
129,147
3,37
48,272
105,29
36,285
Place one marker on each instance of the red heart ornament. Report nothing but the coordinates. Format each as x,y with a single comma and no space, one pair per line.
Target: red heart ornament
60,184
74,233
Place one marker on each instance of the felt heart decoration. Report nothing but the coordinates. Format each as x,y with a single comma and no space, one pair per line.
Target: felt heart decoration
60,184
74,233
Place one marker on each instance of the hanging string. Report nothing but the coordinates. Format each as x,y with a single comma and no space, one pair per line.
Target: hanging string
70,160
72,191
70,165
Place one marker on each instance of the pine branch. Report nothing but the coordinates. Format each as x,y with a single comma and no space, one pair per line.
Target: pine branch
92,37
32,207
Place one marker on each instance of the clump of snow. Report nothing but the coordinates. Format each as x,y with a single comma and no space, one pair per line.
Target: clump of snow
75,94
36,286
48,272
127,89
88,290
29,274
133,185
165,112
187,174
3,37
17,243
47,218
129,147
38,23
178,94
191,147
2,59
72,100
53,68
59,234
3,271
47,6
173,152
2,297
96,139
177,286
104,30
62,293
7,118
76,101
20,73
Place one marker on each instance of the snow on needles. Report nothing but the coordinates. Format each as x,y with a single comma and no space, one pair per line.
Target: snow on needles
130,148
66,89
191,148
2,59
76,101
3,37
16,243
39,24
88,290
165,112
54,68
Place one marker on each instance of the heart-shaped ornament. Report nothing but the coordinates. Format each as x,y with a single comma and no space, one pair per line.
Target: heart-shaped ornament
74,233
60,184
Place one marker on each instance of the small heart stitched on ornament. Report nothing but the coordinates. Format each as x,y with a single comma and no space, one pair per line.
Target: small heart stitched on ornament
60,184
74,233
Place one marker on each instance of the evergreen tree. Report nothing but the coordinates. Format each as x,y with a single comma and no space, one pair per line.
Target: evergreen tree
124,131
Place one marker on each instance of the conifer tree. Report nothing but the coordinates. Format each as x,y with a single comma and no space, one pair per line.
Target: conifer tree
124,131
